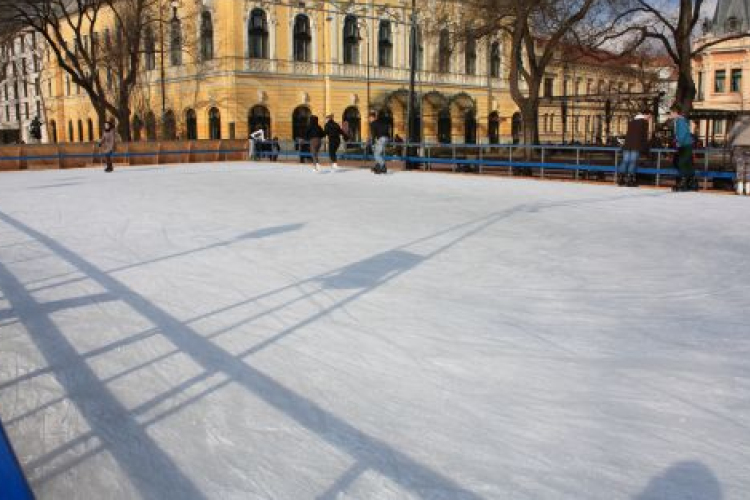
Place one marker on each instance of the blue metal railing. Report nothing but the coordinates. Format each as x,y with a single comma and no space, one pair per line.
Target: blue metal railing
13,484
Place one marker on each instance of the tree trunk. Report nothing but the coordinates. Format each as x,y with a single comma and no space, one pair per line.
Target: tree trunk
530,116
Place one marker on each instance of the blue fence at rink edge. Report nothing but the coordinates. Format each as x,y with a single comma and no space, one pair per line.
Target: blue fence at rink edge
13,484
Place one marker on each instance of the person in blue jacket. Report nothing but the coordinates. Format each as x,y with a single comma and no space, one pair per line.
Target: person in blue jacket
684,155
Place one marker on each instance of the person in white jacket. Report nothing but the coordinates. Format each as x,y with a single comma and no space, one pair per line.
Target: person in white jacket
257,136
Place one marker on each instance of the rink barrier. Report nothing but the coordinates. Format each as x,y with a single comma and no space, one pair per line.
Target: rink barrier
474,157
13,483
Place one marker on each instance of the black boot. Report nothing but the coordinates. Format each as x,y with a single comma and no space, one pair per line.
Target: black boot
632,180
622,179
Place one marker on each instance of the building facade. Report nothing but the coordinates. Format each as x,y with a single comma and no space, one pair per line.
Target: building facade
22,99
256,64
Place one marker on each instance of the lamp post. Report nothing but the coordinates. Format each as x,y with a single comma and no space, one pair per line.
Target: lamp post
361,25
411,122
174,4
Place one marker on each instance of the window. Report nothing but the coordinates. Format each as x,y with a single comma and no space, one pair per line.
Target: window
549,87
207,37
149,48
26,109
7,113
80,131
736,84
732,25
70,131
302,38
53,129
351,40
720,80
385,45
495,60
257,33
191,125
470,54
700,85
25,88
175,42
444,52
493,128
37,86
420,50
91,130
354,121
214,124
259,118
718,126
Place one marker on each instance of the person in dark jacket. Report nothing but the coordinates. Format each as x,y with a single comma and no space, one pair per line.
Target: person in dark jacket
314,136
334,132
683,158
379,136
107,144
636,143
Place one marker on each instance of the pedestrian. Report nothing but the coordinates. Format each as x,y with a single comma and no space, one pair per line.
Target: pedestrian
275,148
107,144
636,143
379,138
314,136
254,143
334,132
684,156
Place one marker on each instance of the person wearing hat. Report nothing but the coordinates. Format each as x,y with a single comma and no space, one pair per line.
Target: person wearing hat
334,132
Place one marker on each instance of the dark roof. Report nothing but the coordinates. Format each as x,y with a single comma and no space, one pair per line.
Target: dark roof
727,10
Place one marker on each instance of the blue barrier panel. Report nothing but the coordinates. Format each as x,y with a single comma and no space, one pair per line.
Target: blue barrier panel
13,485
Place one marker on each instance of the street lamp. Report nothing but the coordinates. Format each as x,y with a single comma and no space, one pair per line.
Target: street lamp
361,25
174,4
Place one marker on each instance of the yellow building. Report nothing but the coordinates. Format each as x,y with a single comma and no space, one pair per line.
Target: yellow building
244,65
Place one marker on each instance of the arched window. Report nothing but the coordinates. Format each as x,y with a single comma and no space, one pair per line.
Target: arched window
53,129
80,130
300,121
175,41
419,55
493,128
149,49
137,128
444,126
259,118
91,130
214,124
470,127
444,51
257,35
302,38
353,121
191,125
207,36
385,45
71,138
495,60
170,126
150,126
470,54
351,40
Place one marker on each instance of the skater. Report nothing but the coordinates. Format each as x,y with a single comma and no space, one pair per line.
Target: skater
334,132
254,141
636,143
684,155
379,139
315,136
107,145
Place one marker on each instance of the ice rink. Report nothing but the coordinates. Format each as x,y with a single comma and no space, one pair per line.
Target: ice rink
257,331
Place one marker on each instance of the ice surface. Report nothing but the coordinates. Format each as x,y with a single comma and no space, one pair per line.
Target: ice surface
251,331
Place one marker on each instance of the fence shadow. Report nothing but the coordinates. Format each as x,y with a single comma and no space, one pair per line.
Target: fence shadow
684,480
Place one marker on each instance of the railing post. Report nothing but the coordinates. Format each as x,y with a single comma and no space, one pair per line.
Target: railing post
453,149
541,170
481,158
510,158
658,167
617,161
578,160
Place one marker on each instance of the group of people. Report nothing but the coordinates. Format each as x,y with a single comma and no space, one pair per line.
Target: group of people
637,142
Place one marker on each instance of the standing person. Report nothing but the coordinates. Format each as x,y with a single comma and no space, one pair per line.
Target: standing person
107,144
315,136
257,137
379,138
334,132
275,148
684,155
636,143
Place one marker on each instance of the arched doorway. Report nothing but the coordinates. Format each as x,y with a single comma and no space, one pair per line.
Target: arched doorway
214,124
470,127
300,121
150,126
444,126
493,128
80,131
91,130
170,126
516,126
353,120
53,129
71,138
259,118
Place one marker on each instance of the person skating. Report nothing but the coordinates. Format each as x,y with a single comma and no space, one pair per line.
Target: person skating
254,142
684,155
314,136
636,143
107,145
334,132
379,137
